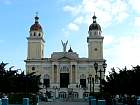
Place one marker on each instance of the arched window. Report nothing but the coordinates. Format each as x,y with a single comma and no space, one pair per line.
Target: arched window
39,34
33,68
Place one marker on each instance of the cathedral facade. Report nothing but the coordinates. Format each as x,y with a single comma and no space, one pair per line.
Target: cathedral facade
65,74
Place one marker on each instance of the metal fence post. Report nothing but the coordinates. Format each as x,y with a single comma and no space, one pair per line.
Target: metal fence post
5,101
101,102
25,101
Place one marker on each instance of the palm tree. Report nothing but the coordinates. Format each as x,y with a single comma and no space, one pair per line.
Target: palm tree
12,81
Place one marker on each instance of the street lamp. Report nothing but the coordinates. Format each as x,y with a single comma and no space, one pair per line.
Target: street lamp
70,93
100,71
104,65
91,81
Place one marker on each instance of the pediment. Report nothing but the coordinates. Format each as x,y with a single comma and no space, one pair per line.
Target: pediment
64,56
64,59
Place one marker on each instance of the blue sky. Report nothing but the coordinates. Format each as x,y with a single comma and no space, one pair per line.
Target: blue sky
69,20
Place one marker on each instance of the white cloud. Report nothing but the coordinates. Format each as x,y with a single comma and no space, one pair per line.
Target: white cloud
104,18
88,6
125,51
73,27
74,10
120,10
106,10
69,8
120,50
135,5
121,16
79,20
108,40
137,21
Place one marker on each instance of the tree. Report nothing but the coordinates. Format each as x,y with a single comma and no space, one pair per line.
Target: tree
12,81
123,82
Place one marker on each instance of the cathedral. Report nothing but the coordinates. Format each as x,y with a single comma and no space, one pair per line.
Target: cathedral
65,74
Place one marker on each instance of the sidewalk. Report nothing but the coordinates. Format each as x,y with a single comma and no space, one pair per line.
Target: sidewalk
63,103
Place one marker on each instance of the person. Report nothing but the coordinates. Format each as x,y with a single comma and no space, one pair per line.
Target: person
5,96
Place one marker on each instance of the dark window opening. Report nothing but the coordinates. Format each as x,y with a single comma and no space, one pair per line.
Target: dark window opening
64,80
83,83
47,83
33,68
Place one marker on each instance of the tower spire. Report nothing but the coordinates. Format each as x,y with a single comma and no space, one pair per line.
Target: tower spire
94,18
36,17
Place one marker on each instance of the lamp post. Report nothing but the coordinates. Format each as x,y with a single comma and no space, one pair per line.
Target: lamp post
91,81
70,93
100,71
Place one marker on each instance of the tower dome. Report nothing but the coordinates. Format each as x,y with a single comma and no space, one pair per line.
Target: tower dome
94,25
36,26
70,50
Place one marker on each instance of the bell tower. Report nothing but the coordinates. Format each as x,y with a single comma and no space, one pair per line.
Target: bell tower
35,41
95,41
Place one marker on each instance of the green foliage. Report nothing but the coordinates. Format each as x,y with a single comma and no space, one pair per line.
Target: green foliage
12,81
124,82
18,98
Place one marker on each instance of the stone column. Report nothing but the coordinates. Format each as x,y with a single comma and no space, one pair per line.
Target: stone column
52,74
71,74
55,73
58,75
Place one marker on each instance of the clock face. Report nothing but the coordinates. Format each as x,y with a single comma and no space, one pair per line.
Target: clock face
95,49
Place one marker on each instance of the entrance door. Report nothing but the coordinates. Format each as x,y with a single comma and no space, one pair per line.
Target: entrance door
64,80
47,83
83,83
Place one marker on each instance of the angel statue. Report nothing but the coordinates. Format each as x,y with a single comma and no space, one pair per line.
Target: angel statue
64,45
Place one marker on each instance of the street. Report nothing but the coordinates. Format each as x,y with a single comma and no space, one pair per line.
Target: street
63,103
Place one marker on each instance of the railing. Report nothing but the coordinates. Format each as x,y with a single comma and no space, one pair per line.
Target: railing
4,101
